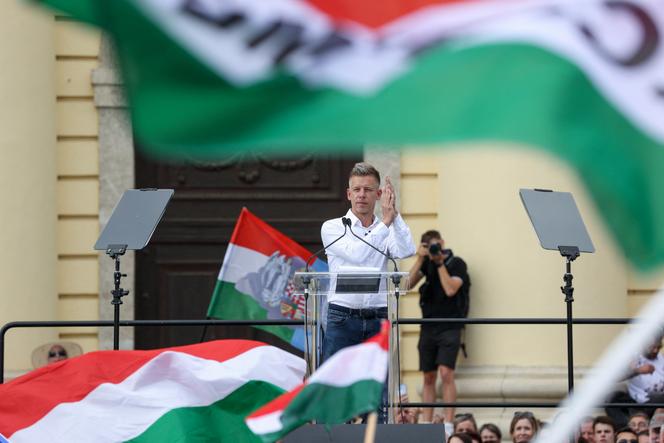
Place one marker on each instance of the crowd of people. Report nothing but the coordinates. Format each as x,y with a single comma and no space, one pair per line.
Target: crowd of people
524,426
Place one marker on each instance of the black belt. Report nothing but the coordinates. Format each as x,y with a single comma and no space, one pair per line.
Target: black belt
361,313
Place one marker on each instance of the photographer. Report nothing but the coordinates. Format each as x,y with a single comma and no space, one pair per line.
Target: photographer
446,283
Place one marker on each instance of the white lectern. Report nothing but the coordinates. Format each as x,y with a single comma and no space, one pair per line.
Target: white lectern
316,286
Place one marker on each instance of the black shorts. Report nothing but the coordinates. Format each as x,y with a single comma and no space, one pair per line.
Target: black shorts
438,348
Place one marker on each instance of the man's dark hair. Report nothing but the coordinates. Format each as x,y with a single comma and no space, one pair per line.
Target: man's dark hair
430,234
603,419
474,436
625,429
465,438
363,169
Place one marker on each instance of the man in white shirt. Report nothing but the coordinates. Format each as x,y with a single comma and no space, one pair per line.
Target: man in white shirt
645,384
352,318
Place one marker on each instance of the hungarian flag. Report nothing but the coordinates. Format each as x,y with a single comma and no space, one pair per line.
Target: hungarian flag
350,383
196,393
580,79
256,278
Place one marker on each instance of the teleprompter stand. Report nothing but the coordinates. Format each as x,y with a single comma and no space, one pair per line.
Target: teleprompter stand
115,252
559,227
130,226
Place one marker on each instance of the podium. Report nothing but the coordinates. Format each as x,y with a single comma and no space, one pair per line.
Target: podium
317,286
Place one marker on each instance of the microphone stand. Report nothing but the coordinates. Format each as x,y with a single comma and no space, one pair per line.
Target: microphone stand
396,280
306,282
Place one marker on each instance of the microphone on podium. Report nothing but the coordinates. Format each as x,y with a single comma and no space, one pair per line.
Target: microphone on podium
346,222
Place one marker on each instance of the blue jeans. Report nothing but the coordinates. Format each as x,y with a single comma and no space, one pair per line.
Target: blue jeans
348,327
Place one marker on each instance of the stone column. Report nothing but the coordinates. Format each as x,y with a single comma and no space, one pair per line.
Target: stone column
116,174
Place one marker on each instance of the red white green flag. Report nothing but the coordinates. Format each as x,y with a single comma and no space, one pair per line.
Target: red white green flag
350,383
256,278
581,79
196,393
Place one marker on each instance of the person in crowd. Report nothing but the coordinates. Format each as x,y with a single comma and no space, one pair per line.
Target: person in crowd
638,421
351,317
643,436
626,435
464,423
446,279
604,429
53,352
523,427
475,437
460,438
56,353
586,429
645,384
406,415
654,426
490,433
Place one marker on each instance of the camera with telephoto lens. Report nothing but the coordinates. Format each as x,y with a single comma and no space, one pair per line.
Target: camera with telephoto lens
435,249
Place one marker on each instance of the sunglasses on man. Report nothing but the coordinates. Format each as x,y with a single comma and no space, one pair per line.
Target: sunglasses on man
53,354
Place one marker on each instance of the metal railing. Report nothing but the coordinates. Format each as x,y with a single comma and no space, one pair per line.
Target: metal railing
403,321
128,323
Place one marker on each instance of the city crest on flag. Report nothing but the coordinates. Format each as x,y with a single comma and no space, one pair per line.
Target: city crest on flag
256,278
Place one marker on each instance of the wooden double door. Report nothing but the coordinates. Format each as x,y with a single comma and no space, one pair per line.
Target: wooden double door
176,273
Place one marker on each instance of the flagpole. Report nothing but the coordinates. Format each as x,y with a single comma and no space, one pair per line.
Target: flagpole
370,431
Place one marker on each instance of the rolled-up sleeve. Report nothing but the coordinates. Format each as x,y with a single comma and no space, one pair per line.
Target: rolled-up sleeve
399,240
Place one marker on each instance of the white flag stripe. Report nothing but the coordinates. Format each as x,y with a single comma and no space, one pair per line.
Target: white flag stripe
170,380
366,361
386,53
266,424
555,25
239,261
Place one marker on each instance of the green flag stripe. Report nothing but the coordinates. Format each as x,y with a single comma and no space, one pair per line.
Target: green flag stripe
230,304
330,404
449,94
222,421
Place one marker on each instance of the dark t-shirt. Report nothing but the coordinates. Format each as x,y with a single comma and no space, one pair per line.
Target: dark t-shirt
433,301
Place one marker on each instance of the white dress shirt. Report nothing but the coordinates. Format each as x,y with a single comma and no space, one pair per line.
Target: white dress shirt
352,252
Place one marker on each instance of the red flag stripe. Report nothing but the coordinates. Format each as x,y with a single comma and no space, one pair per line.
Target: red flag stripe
98,367
278,404
253,233
281,403
382,339
374,14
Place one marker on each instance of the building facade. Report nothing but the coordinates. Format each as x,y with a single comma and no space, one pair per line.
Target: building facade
69,154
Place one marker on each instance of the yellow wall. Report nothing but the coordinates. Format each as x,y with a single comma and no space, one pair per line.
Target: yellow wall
27,178
471,196
49,185
76,54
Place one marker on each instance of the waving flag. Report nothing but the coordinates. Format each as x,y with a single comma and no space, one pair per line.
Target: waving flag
350,383
256,278
186,394
582,79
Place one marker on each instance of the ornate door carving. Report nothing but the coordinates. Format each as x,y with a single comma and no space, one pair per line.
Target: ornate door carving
176,273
